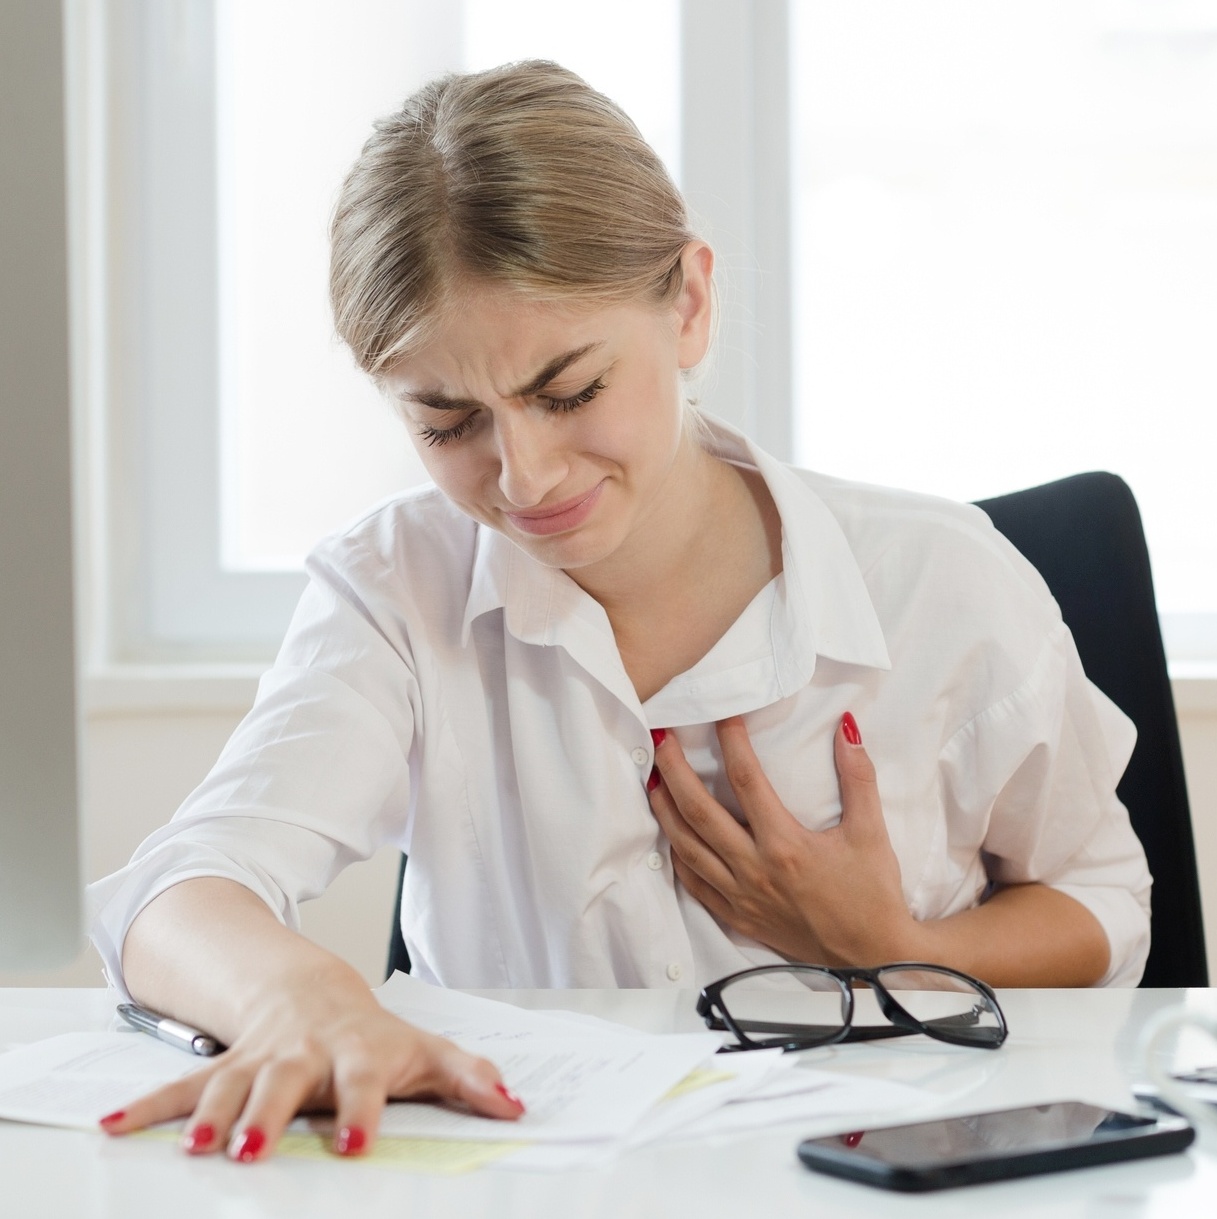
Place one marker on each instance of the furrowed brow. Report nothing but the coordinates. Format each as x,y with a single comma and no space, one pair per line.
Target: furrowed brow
438,400
555,368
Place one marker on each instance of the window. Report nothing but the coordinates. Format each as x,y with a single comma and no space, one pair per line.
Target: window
237,430
1006,253
989,232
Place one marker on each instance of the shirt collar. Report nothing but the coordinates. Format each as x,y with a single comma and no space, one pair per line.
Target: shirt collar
535,599
544,606
822,606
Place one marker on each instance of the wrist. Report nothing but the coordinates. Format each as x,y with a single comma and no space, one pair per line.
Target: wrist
304,977
893,935
918,941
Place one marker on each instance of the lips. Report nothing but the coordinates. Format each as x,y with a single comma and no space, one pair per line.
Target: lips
561,518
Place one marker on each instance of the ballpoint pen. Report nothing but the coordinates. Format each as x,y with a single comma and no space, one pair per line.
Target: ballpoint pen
172,1032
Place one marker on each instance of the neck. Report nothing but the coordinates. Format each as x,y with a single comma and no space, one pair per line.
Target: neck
704,552
676,538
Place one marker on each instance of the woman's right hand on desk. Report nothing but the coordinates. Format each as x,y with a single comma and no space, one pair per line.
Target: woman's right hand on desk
315,1039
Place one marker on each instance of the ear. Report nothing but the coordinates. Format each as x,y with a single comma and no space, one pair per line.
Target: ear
695,304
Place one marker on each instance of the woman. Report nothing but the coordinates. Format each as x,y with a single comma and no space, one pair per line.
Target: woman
604,679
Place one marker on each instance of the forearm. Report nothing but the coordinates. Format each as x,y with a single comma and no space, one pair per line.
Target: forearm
1024,935
210,952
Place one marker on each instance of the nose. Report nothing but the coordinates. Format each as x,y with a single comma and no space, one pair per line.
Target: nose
532,462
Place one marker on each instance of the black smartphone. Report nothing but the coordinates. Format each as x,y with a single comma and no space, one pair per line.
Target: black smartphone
994,1146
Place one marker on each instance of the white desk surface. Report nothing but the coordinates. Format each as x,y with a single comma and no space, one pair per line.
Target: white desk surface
1063,1045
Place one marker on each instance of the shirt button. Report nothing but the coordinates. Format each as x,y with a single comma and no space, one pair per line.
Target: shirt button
674,972
654,861
640,756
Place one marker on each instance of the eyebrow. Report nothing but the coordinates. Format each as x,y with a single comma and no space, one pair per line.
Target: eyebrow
440,401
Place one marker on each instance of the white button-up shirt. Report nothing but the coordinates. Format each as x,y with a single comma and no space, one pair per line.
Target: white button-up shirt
441,691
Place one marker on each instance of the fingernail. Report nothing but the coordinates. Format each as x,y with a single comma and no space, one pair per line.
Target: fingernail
853,1138
653,779
657,736
507,1094
248,1144
350,1141
112,1119
850,727
199,1138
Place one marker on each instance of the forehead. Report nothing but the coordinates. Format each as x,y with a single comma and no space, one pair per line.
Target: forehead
500,337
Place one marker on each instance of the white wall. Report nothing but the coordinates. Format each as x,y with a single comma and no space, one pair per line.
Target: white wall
141,762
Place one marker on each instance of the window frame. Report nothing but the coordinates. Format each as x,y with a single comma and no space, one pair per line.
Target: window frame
160,600
167,597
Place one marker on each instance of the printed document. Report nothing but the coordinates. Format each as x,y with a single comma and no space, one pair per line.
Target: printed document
591,1088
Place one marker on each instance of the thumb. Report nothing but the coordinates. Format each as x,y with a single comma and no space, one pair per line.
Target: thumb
861,807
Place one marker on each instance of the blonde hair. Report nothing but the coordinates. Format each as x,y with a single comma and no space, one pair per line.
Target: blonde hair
524,177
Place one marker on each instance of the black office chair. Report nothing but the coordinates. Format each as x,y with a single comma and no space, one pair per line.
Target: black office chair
399,957
1084,536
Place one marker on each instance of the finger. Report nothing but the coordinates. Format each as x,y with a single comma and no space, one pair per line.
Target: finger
690,848
761,805
171,1101
697,808
474,1081
282,1087
359,1101
218,1109
704,892
861,806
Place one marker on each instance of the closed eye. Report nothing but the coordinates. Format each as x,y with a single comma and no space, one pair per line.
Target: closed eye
575,400
440,436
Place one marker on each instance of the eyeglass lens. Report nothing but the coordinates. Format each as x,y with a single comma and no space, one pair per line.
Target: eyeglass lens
945,1002
787,1003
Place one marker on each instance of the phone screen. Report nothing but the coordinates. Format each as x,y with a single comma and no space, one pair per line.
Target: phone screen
1035,1128
989,1146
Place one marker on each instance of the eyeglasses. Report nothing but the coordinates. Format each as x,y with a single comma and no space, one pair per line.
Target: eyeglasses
795,1007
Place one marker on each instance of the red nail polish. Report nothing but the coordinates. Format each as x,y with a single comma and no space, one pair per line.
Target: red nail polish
504,1092
850,727
653,779
853,1138
199,1138
112,1119
351,1141
247,1146
657,736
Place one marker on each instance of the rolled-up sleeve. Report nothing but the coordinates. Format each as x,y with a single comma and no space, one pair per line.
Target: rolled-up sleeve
1041,767
315,777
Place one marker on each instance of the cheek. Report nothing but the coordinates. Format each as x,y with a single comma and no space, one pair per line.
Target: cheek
645,422
451,471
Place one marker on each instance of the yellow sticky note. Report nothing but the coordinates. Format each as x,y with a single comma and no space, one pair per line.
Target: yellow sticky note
703,1077
446,1157
442,1157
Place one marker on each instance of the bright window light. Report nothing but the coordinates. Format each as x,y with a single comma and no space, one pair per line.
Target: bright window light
1006,255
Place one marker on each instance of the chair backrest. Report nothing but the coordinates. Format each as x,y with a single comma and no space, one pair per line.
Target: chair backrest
1084,535
399,957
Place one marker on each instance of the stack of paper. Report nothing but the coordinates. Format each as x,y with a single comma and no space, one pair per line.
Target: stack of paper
591,1088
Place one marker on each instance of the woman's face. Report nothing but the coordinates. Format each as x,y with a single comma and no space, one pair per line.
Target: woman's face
560,427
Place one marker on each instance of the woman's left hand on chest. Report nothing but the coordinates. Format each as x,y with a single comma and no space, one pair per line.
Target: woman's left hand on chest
829,897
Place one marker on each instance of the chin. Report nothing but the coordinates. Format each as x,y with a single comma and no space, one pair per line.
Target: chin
566,551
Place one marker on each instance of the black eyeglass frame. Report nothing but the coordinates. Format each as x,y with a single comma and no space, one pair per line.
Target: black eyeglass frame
714,1012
